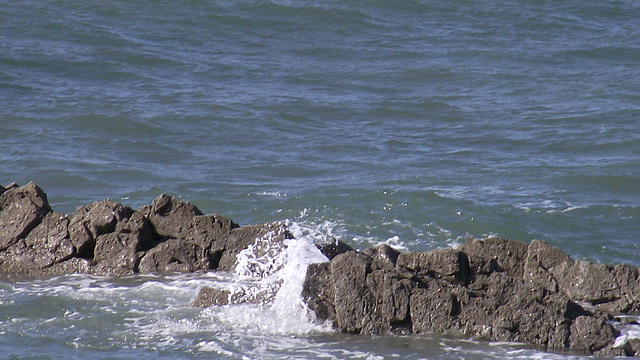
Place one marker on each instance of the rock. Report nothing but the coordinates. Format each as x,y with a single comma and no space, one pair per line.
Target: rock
171,218
591,333
434,308
208,297
175,255
382,257
119,252
318,291
450,265
353,303
93,220
22,209
495,254
50,241
333,248
260,237
493,289
633,347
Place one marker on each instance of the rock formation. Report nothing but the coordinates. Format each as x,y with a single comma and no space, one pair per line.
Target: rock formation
493,289
108,238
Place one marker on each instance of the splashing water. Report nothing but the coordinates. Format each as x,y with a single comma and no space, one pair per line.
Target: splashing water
265,291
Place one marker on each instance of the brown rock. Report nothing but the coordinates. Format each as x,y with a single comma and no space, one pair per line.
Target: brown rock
495,254
120,251
93,220
262,238
49,242
318,293
174,255
208,297
450,265
591,333
21,210
352,299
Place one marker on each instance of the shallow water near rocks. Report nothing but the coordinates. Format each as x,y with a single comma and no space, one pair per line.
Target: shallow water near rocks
410,123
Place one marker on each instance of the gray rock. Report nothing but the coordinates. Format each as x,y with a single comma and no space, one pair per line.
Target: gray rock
495,254
318,292
171,218
93,220
494,289
208,297
591,333
262,238
333,248
21,210
174,255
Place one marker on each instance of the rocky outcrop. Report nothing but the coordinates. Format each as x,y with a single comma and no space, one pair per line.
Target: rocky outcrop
493,289
108,238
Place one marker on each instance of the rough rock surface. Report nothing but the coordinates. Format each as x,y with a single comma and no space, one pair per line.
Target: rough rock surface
493,289
108,238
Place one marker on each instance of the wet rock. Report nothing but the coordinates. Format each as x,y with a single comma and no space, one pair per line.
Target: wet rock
119,252
318,291
171,218
50,242
333,248
591,333
382,257
495,254
493,289
353,301
208,297
21,210
175,255
263,240
93,220
450,265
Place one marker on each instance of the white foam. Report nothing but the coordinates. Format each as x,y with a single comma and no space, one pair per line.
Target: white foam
266,290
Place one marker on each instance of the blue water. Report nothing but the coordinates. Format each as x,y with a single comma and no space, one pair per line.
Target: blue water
412,123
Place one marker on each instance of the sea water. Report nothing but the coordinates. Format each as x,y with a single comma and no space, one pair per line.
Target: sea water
411,123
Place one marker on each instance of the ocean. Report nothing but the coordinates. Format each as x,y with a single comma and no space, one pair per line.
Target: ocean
412,123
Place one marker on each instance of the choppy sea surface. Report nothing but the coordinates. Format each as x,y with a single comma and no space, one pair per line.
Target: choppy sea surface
412,123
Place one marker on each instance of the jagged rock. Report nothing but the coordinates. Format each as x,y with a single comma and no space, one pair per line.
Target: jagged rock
50,242
174,255
260,237
494,289
591,333
450,265
171,218
382,257
21,210
353,301
119,252
633,347
93,220
318,292
208,297
333,248
495,254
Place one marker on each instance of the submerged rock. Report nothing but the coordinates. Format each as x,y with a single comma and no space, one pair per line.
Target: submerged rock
493,289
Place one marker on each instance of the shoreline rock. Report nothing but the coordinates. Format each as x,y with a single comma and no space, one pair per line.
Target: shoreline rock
108,238
493,289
